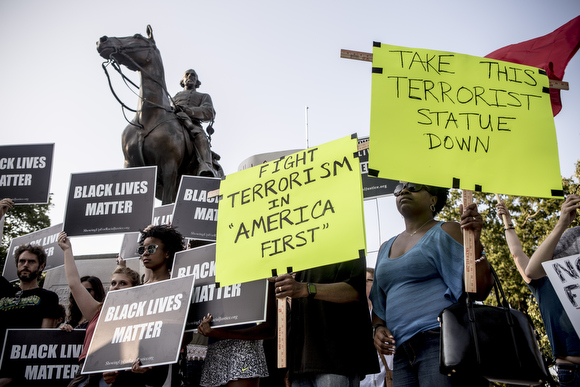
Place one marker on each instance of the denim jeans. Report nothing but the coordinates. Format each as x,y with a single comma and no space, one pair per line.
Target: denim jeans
569,375
325,380
416,363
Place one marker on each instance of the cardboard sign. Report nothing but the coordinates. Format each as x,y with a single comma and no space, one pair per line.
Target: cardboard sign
454,120
47,239
163,215
25,172
229,305
42,356
301,211
110,202
195,215
130,245
564,274
145,322
373,187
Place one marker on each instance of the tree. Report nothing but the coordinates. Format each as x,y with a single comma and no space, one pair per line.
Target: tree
22,220
534,219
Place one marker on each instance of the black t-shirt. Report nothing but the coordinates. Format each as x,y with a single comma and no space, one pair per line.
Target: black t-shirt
27,309
328,337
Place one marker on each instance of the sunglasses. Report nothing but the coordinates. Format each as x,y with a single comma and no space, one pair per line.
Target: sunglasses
151,249
411,187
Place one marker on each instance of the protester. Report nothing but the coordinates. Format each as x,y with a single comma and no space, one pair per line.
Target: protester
561,242
158,245
31,306
419,273
329,342
235,355
28,306
90,308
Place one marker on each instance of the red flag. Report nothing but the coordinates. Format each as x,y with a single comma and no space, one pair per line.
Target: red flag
550,52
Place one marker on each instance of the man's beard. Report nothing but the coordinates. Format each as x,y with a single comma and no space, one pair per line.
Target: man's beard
28,277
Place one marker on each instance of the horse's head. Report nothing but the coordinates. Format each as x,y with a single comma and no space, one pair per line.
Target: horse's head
134,52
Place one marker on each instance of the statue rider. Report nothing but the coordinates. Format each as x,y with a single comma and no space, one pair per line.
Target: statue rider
193,108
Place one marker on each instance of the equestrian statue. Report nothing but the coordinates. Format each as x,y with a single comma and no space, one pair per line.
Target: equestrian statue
166,132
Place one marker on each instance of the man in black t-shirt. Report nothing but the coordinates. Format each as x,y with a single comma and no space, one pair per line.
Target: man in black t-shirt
31,306
330,336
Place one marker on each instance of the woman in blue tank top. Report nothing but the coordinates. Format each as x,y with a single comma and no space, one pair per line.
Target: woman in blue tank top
419,273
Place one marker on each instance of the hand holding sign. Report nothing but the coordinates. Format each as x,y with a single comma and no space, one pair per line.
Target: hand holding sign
5,205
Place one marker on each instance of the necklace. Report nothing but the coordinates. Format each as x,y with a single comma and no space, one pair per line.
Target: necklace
417,230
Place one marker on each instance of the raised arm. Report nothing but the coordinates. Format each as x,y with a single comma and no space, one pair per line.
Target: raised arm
86,303
520,258
545,251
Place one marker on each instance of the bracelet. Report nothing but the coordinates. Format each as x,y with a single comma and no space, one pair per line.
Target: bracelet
482,256
510,227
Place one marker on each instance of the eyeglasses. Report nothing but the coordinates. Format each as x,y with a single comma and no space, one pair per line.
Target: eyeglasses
411,187
151,249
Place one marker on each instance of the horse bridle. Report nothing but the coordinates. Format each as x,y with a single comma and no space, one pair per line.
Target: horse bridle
117,66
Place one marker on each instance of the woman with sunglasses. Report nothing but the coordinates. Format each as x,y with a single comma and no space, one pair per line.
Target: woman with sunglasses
158,245
122,277
419,273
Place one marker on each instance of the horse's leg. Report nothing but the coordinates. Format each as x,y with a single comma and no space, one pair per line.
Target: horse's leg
170,183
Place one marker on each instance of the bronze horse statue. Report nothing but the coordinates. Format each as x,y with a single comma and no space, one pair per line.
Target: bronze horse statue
155,136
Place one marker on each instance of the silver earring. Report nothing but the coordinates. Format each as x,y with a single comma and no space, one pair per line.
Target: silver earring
432,207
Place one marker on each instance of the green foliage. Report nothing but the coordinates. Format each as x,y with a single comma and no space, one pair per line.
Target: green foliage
534,219
22,220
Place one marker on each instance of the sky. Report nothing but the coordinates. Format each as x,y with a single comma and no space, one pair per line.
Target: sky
262,62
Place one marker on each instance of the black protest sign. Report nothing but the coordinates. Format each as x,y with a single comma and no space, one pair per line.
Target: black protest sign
45,238
145,322
195,214
229,305
163,215
25,172
130,245
42,356
373,187
110,202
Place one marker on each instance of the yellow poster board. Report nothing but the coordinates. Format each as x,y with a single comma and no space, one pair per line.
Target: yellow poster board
460,121
302,211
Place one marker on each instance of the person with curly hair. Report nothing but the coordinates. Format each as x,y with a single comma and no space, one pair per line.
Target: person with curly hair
158,245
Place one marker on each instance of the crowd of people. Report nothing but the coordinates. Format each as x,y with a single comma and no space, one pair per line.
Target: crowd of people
348,325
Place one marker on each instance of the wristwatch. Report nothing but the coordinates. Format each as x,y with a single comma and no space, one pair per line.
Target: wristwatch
311,290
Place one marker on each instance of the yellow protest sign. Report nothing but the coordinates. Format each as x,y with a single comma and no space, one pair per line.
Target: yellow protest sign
302,211
460,121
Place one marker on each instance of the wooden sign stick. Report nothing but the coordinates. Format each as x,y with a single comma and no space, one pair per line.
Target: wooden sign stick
281,332
368,57
469,249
